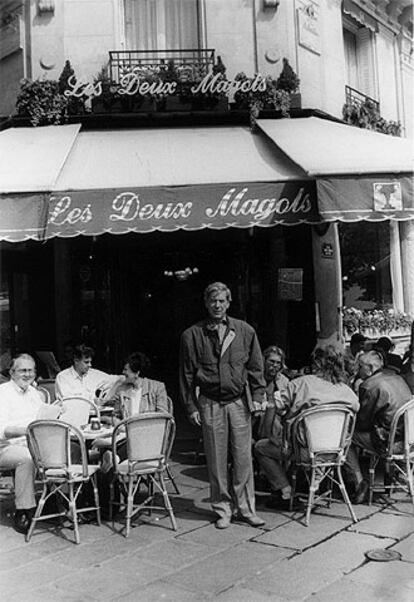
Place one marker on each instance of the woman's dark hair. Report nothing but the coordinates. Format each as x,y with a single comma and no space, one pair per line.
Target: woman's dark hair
138,362
328,363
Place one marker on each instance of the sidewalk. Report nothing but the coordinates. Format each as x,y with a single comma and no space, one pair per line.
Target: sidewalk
283,561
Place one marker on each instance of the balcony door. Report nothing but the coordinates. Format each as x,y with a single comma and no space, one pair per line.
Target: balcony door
162,24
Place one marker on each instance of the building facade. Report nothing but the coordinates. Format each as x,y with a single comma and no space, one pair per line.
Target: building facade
140,290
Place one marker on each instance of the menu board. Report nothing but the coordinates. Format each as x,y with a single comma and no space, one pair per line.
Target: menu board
290,284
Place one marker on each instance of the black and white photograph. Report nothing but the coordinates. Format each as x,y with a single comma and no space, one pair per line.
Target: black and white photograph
206,300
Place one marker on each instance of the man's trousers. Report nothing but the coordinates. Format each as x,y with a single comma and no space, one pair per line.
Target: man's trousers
227,425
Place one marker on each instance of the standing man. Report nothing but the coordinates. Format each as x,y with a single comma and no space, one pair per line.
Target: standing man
221,384
81,379
20,404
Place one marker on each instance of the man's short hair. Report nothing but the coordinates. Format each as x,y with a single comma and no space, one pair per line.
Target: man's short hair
21,356
217,287
374,358
357,338
82,351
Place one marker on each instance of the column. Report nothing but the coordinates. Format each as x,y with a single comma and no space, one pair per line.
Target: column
328,284
407,263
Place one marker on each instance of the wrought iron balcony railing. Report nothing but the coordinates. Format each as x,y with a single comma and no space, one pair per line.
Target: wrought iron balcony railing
187,64
355,97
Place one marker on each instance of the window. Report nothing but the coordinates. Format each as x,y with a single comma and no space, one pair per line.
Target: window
359,59
365,253
162,24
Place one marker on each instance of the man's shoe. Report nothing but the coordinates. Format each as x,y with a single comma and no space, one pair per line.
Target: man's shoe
253,520
223,522
361,493
22,519
276,502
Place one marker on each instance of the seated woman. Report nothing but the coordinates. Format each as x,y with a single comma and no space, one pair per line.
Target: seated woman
325,385
134,395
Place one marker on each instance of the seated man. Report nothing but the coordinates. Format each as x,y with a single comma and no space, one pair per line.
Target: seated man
20,404
381,393
326,384
81,379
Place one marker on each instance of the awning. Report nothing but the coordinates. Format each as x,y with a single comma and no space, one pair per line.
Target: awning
119,181
63,181
359,174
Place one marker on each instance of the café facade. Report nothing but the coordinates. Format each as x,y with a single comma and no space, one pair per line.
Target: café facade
110,235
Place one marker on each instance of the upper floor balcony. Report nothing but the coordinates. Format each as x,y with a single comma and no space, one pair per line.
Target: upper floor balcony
184,65
355,97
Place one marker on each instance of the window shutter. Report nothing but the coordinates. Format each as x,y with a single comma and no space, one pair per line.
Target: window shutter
366,72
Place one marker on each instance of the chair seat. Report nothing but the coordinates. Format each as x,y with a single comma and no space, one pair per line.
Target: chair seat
139,467
77,472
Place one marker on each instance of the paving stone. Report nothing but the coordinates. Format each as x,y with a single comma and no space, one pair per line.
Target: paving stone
295,535
16,558
189,521
341,509
49,594
406,548
175,553
159,591
396,576
34,575
221,538
302,575
386,525
275,518
241,594
217,573
346,589
110,580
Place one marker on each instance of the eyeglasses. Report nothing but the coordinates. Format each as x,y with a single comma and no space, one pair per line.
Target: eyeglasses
25,371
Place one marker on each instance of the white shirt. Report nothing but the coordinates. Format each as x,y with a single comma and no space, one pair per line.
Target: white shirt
17,408
69,384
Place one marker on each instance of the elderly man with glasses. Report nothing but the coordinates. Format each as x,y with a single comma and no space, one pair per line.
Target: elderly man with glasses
20,404
381,393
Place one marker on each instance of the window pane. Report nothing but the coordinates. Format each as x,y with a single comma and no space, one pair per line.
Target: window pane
365,251
161,24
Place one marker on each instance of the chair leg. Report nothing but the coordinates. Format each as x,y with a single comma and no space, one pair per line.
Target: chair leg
372,466
38,512
311,496
345,494
96,499
171,478
74,512
293,490
130,501
409,474
167,502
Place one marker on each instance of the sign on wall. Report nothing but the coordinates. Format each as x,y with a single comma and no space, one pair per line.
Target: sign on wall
308,28
290,284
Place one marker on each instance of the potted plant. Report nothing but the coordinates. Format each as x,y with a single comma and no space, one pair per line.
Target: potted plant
75,105
256,100
289,81
367,115
42,102
376,322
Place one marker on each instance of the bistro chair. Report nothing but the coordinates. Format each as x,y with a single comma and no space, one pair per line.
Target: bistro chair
76,410
170,476
48,384
49,443
149,439
321,437
398,457
44,394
